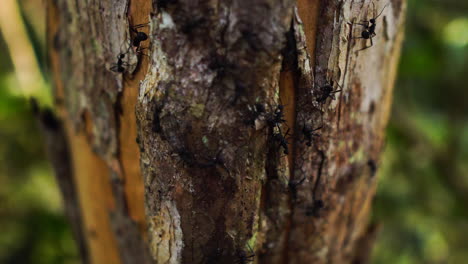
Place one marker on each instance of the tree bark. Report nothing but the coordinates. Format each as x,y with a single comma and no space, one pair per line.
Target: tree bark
201,150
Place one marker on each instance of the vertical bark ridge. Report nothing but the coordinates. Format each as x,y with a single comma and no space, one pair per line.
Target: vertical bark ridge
339,184
203,155
87,39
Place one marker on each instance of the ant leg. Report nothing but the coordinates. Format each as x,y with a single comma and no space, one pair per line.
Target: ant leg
358,38
114,68
341,88
372,43
135,27
139,51
320,127
364,48
140,25
294,184
332,94
360,24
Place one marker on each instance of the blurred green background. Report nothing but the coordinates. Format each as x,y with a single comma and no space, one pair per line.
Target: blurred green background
422,199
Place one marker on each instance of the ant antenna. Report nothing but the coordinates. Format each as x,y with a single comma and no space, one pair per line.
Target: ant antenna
333,81
380,11
338,84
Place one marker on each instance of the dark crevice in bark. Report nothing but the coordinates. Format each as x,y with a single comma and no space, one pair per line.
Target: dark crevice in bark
317,203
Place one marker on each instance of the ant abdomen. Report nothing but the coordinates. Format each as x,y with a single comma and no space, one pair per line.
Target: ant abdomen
365,34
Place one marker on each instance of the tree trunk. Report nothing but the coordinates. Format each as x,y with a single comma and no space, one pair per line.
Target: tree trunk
200,147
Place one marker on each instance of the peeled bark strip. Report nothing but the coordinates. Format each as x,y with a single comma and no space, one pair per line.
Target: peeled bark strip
239,149
57,149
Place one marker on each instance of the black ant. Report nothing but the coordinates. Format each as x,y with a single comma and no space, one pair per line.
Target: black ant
309,134
282,140
369,27
244,258
119,66
277,117
139,37
328,92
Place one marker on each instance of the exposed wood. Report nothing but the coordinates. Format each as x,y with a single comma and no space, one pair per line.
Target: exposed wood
129,150
308,11
96,200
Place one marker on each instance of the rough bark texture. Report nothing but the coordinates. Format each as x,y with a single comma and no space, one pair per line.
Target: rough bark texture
58,152
218,185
